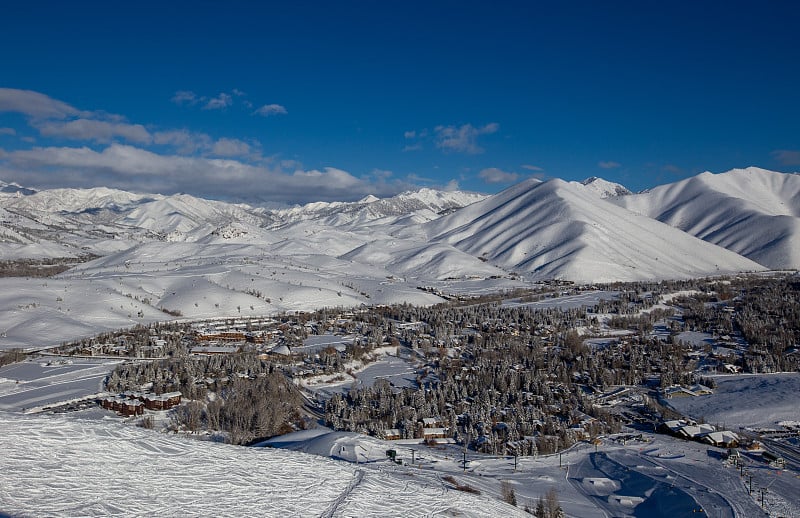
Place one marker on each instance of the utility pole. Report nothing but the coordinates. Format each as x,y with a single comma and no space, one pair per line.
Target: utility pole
750,476
515,462
412,455
763,492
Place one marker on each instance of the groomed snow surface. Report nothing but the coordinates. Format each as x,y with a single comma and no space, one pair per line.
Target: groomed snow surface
63,466
93,463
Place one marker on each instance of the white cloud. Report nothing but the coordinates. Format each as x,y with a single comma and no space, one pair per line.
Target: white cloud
495,175
219,102
290,164
410,134
187,142
383,174
184,141
35,104
128,167
462,139
271,109
95,130
337,177
786,156
530,167
608,165
163,160
450,186
230,147
185,97
412,147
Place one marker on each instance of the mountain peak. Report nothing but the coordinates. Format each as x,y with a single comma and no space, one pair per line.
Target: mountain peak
603,188
751,211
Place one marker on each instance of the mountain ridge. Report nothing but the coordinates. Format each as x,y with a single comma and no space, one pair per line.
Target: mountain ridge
555,229
162,256
550,229
752,211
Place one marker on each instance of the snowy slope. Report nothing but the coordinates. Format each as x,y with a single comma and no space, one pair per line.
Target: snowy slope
78,200
182,217
59,466
423,262
603,188
753,212
559,230
370,208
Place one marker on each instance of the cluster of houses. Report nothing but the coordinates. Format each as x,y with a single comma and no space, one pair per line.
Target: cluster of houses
706,433
135,403
430,428
238,330
679,391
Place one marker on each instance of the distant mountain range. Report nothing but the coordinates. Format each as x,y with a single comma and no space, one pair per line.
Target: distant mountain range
202,259
591,230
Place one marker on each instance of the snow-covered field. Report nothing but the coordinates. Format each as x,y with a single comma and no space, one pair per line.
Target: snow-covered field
746,400
79,465
67,466
43,382
584,299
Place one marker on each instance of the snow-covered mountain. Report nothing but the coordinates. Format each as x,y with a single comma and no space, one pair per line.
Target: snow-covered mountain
15,188
426,202
204,258
603,188
753,212
557,229
78,200
185,218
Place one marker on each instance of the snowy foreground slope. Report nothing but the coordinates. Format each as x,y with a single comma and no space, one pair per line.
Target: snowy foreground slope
58,466
753,212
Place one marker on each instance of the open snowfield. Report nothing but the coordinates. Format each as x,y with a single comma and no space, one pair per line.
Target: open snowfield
197,281
82,465
746,400
585,299
67,466
43,382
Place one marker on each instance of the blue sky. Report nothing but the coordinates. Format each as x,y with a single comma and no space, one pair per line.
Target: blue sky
303,101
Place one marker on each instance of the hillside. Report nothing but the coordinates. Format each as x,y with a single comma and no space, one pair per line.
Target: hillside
60,466
559,230
753,212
